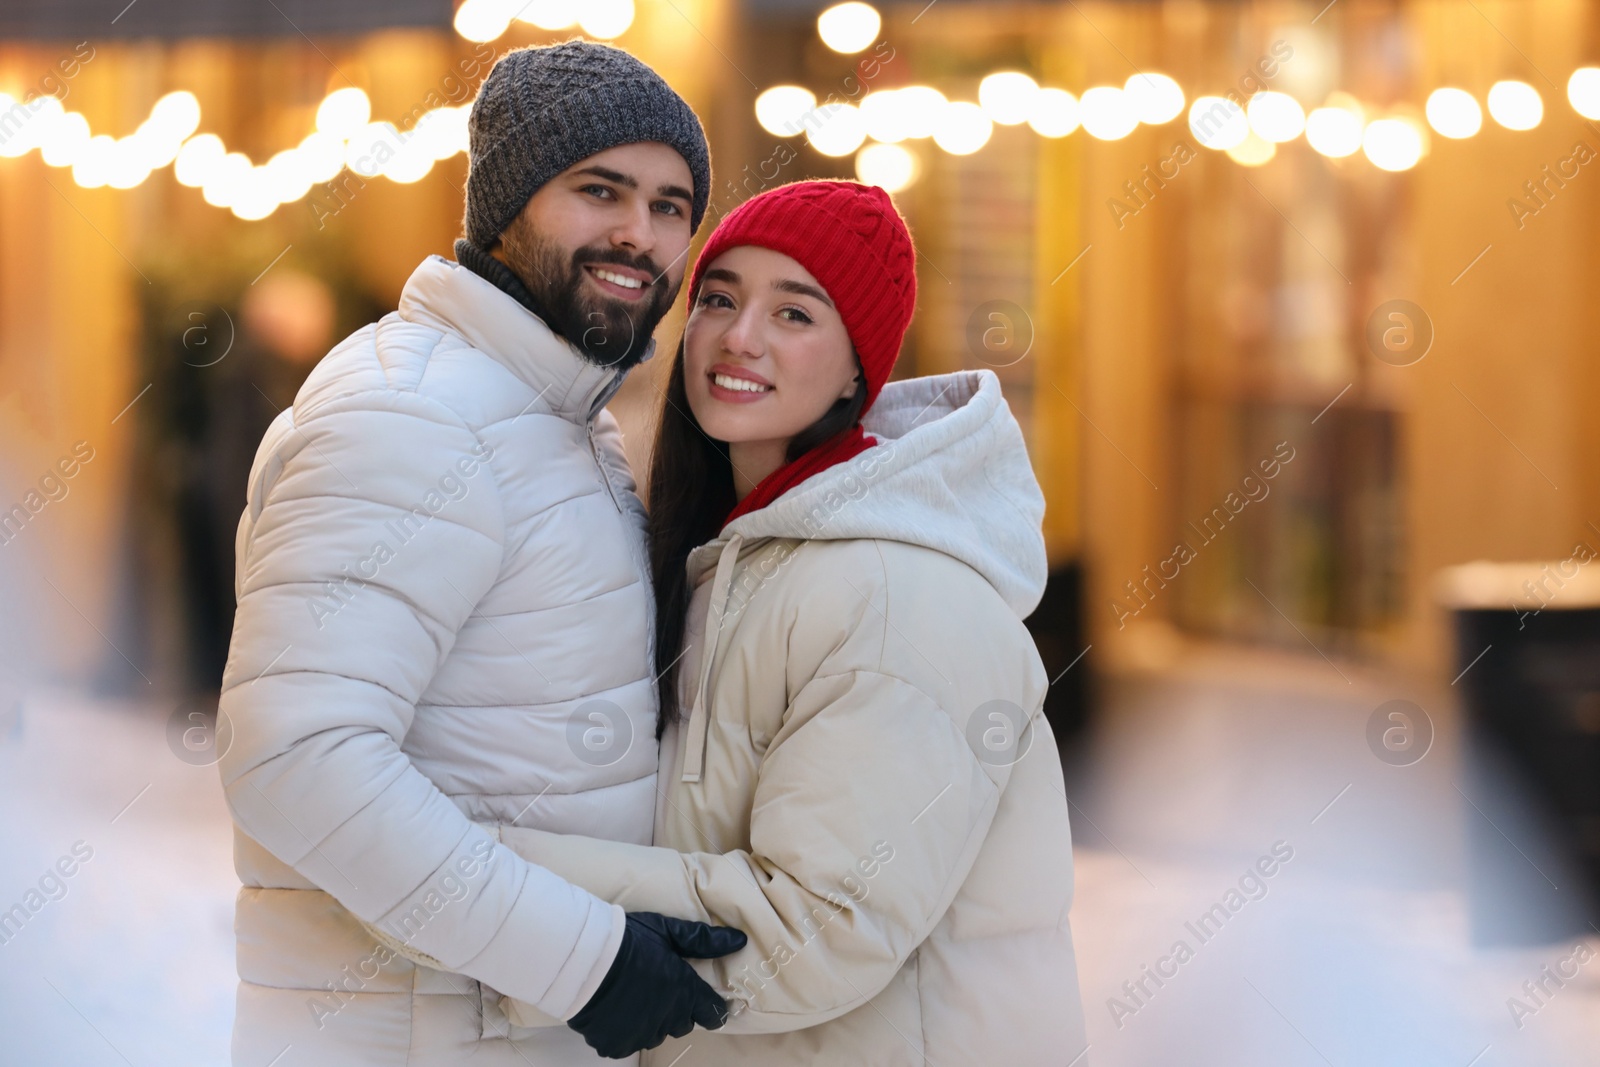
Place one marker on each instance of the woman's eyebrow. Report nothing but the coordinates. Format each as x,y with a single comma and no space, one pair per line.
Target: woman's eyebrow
786,285
802,289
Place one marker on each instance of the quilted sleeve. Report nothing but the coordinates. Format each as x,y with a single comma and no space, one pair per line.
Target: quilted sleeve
865,822
373,529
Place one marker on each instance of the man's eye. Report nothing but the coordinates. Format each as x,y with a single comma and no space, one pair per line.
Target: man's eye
600,190
667,207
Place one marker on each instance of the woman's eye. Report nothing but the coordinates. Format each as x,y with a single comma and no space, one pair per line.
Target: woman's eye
796,315
714,300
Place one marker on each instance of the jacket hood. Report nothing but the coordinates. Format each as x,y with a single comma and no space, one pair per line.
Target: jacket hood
950,472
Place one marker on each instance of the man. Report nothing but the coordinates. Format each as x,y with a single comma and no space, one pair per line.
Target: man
444,617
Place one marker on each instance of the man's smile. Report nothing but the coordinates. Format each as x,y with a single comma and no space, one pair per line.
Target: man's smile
624,283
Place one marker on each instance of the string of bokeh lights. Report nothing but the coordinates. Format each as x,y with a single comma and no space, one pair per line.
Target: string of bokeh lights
881,129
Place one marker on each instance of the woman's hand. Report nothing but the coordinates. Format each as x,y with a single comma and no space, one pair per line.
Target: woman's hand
650,993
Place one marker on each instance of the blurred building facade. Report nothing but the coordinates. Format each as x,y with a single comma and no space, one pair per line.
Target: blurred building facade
1170,324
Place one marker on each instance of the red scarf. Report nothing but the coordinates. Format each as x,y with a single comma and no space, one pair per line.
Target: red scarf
846,445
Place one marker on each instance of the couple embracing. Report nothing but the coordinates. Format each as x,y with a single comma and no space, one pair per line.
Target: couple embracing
524,772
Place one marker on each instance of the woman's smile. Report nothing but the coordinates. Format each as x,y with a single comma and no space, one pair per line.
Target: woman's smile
735,386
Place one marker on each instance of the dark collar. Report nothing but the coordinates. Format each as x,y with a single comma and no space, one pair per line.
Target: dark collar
503,277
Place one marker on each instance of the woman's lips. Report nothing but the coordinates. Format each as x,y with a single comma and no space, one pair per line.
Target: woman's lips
734,388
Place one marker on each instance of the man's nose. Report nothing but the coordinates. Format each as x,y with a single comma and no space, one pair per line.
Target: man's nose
633,230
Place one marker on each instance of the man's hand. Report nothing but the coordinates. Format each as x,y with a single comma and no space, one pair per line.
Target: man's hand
650,993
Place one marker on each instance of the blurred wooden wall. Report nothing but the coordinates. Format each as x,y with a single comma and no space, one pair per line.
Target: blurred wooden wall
1500,451
67,323
1504,441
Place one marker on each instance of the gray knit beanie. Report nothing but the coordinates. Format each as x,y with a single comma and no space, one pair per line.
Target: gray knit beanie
543,109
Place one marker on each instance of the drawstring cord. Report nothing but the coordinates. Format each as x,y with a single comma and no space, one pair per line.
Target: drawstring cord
694,752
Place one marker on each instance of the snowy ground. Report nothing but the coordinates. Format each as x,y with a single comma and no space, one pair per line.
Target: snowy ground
1359,953
134,963
1361,950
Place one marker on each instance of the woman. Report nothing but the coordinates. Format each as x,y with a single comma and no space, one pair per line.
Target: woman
855,770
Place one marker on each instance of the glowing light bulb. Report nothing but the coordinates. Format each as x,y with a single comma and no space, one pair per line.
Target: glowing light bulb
447,131
323,155
66,140
130,164
922,109
39,131
882,116
890,167
176,115
254,198
371,148
1217,122
781,109
482,20
225,179
1054,114
153,145
197,158
344,111
547,14
288,176
1156,98
1392,144
1007,97
1107,113
19,134
1454,113
1515,105
605,19
849,27
839,133
1583,92
1334,132
964,129
1275,117
411,163
92,168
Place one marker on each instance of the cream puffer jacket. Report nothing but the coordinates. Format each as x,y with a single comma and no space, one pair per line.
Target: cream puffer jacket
441,580
865,782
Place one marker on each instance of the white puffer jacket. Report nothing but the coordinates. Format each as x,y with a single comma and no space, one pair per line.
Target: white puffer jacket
865,782
444,619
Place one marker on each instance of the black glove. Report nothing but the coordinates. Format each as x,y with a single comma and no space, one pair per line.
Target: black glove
650,993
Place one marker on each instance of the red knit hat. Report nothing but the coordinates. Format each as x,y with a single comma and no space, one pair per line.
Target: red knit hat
853,241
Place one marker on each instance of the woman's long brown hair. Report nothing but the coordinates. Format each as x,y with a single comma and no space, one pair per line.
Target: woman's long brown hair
690,494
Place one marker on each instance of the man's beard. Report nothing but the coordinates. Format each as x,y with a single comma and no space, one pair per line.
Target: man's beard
609,332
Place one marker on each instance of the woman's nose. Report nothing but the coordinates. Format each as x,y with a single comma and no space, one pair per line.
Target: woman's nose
743,337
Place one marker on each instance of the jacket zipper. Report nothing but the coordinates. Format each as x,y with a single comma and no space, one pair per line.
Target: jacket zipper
605,475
